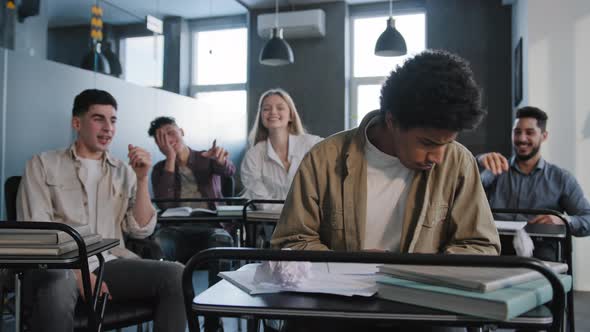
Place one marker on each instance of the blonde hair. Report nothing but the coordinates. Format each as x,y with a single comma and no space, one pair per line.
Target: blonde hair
260,133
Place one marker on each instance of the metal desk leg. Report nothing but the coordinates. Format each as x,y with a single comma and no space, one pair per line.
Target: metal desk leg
18,300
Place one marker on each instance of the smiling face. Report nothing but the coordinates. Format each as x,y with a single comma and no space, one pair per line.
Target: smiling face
174,135
275,113
527,137
96,129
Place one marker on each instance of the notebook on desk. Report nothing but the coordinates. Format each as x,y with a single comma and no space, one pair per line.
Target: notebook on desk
28,249
185,211
502,304
470,278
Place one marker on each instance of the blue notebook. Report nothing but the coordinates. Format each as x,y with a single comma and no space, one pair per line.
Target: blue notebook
502,304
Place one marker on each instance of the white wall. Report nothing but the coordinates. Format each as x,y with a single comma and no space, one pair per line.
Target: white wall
558,70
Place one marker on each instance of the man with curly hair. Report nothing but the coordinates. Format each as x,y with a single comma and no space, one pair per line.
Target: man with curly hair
399,182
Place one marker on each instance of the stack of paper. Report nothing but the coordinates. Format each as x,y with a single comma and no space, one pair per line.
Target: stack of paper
321,282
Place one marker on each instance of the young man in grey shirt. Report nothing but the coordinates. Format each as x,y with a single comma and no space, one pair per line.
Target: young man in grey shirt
527,181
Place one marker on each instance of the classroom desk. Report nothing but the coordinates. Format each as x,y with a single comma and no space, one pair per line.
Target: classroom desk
250,221
77,259
559,233
246,236
224,299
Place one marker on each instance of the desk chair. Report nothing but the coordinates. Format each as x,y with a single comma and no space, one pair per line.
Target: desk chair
324,306
117,315
565,252
250,237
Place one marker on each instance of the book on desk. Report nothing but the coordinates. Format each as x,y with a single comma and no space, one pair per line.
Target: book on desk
186,211
468,278
9,236
55,249
501,304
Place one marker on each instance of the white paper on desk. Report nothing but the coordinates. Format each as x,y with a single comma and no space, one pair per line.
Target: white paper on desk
320,282
509,225
345,268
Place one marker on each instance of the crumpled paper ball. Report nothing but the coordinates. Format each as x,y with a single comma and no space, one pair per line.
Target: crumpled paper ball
523,244
284,273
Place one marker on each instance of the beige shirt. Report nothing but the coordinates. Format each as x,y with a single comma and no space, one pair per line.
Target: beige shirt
446,210
53,189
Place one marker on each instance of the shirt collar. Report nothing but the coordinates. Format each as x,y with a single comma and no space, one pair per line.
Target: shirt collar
539,166
270,151
106,157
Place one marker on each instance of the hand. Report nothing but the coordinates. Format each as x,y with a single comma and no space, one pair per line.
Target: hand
218,154
494,162
140,160
104,289
164,144
547,219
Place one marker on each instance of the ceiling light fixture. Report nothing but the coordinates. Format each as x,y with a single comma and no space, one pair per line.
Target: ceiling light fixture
391,42
276,51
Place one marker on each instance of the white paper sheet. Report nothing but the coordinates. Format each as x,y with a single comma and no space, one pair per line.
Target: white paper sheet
509,225
321,282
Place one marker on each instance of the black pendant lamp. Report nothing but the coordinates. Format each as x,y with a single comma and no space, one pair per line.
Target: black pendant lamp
391,42
276,51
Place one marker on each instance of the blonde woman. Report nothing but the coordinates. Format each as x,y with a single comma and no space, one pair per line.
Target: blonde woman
278,143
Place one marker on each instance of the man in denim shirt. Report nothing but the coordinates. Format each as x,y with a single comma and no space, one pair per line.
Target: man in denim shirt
527,181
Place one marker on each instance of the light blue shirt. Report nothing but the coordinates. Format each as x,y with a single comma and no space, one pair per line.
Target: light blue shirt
546,187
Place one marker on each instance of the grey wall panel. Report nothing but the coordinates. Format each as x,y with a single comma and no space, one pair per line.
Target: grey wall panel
316,80
479,31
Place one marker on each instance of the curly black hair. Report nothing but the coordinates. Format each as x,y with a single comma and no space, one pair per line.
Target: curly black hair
533,112
160,122
434,89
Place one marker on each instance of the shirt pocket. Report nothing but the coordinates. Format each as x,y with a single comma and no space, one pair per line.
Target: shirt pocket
436,215
68,198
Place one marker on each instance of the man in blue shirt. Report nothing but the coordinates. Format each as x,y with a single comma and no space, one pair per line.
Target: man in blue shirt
527,181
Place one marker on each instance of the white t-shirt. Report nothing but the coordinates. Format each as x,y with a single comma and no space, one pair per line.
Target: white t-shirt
387,192
94,175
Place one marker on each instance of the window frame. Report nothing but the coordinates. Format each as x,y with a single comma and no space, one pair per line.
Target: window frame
369,11
122,55
213,24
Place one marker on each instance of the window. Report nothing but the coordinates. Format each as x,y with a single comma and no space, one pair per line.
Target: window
368,70
219,75
220,60
143,60
220,56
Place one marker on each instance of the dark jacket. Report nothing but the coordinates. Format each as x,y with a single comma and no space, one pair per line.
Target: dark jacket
206,171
